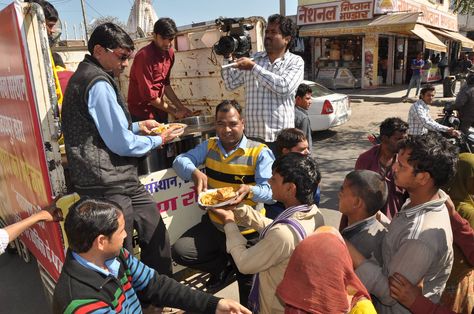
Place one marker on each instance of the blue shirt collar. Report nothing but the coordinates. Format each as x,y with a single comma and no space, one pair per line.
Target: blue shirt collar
242,145
113,265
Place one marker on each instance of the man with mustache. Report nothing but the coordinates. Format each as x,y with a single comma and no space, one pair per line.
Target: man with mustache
271,80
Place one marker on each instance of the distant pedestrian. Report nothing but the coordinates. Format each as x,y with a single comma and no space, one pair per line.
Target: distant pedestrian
302,104
416,65
443,63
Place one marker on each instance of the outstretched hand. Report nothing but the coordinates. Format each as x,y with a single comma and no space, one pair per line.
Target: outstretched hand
225,214
242,193
147,125
227,306
51,212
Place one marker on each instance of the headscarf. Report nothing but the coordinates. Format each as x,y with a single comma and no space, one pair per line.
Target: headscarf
462,187
463,182
319,277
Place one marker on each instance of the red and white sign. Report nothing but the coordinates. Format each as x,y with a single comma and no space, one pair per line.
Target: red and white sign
339,11
429,15
24,182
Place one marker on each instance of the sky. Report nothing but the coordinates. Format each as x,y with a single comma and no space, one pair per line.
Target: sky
184,12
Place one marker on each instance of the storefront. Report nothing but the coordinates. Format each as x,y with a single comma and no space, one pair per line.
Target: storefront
350,47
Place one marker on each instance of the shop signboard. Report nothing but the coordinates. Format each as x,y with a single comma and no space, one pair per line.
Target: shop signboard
338,11
24,179
431,16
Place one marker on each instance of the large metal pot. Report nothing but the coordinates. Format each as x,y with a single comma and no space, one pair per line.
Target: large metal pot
162,158
198,124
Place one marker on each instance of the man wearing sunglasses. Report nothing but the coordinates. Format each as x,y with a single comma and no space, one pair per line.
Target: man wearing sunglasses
150,77
102,143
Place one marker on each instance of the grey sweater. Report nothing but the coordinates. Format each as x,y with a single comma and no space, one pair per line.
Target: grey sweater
418,245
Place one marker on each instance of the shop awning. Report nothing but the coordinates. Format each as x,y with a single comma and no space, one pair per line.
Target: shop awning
431,41
465,42
396,19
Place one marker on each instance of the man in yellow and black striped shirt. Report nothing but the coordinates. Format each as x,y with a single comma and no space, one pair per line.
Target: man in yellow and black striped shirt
230,159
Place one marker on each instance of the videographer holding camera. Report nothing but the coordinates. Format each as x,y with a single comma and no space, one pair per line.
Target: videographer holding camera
271,79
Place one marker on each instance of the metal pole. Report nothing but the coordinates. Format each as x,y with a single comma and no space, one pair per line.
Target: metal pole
282,7
85,20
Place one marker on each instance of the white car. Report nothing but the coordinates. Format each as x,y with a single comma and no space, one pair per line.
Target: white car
328,109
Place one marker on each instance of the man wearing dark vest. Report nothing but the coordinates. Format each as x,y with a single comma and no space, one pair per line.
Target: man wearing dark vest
230,159
102,144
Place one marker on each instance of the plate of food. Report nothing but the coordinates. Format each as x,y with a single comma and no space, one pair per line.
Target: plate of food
175,127
214,198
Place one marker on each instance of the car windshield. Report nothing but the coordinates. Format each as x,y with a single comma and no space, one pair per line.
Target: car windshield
319,90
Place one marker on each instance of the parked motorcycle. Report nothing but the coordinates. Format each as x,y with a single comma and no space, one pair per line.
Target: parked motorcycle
449,118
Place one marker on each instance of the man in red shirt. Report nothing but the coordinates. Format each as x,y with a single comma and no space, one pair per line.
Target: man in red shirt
380,158
150,78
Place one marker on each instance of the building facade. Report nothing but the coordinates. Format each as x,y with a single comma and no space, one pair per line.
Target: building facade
369,43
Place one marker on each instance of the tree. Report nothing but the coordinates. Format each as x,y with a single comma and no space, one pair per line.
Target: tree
463,6
105,19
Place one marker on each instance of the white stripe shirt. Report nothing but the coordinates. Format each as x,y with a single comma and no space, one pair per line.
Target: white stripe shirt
270,90
4,239
420,120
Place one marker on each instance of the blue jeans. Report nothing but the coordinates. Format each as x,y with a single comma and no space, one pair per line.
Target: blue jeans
415,80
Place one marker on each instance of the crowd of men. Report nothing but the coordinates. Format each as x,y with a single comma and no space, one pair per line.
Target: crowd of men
398,224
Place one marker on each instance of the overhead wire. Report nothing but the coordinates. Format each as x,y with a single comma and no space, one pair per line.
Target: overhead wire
90,6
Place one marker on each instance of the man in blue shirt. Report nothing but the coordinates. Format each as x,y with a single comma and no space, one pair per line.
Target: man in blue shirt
416,65
102,144
99,276
230,160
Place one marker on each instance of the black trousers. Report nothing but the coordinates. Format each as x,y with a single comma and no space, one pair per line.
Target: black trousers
140,212
203,247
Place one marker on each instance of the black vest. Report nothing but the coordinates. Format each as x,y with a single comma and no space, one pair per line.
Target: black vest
94,168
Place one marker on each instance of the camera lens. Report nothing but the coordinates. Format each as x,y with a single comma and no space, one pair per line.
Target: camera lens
226,45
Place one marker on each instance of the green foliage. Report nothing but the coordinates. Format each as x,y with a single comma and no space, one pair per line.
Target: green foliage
463,6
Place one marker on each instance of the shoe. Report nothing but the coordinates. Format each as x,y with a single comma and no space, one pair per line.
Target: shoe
222,279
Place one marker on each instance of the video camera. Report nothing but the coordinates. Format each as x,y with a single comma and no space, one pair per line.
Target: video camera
237,41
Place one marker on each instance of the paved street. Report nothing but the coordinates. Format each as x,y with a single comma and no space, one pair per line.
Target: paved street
336,150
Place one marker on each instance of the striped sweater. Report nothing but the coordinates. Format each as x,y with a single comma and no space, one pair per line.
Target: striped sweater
83,290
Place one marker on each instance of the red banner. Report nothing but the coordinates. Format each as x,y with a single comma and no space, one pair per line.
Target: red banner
24,181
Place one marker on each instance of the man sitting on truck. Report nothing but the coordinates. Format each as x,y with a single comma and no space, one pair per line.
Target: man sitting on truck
230,160
99,276
102,143
271,79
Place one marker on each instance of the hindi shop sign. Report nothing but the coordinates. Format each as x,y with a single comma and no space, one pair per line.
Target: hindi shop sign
339,11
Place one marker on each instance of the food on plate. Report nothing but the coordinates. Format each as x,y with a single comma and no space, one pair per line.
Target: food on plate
218,196
172,126
224,194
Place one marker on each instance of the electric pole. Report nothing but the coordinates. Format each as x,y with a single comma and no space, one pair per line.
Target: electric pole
282,7
85,20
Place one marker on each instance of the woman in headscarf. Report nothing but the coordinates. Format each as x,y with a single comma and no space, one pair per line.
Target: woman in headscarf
459,292
320,278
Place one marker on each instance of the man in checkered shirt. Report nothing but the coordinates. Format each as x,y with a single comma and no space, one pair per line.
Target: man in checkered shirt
271,80
419,118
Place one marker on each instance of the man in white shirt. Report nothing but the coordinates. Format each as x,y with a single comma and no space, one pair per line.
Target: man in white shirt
271,79
419,119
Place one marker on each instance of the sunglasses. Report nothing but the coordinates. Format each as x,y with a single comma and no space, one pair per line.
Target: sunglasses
122,57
